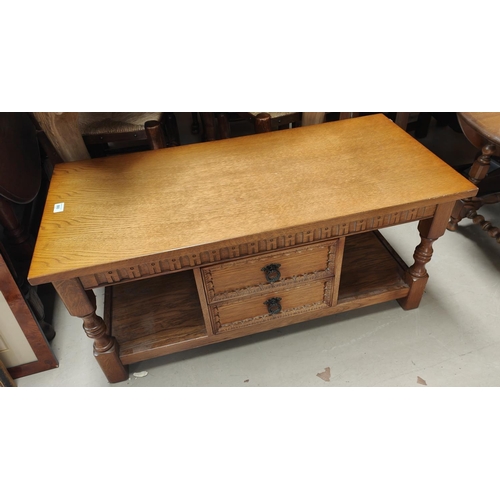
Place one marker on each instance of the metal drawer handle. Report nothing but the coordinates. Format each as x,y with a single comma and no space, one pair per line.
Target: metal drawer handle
273,305
272,273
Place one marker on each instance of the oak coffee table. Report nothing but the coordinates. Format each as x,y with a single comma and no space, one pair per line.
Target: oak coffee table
208,242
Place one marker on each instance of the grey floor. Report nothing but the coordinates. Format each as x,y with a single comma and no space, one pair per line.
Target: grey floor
452,339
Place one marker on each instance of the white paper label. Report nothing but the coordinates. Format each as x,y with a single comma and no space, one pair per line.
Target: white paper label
58,207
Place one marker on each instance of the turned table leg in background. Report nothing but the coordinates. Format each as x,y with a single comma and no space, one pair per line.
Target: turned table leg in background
477,173
81,303
416,276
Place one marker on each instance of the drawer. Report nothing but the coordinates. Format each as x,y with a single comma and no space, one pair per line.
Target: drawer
270,271
264,307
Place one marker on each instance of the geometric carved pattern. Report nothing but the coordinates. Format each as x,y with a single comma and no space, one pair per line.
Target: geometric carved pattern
190,260
218,327
326,272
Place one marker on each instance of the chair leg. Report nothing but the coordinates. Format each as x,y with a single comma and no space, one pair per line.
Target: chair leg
345,116
402,120
262,123
223,125
156,137
208,121
478,219
477,173
312,118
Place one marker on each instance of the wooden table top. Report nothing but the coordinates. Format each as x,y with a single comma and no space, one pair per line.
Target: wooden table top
149,203
486,124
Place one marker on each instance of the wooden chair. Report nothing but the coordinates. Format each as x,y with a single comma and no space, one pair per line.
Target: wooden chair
100,134
483,131
217,125
261,121
265,122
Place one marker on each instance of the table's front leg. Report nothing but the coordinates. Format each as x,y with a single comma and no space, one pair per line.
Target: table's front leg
81,303
416,276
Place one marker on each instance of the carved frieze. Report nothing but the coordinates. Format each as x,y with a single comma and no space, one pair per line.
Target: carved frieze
289,239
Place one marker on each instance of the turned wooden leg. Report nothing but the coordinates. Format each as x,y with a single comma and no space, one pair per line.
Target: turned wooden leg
81,303
208,121
416,276
223,125
402,120
309,118
477,173
262,123
347,115
478,219
155,134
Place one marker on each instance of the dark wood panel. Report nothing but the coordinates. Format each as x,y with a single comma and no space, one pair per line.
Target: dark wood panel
29,325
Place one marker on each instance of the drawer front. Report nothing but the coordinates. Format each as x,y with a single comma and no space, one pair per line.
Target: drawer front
264,307
270,271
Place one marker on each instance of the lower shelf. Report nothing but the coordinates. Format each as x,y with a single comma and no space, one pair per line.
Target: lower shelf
370,268
147,315
162,315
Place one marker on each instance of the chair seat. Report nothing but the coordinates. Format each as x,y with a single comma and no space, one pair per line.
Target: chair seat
273,115
114,123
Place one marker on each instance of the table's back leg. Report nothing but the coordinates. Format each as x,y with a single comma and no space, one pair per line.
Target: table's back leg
82,304
416,276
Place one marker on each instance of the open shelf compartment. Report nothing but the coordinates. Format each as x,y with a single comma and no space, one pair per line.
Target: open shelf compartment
149,315
162,315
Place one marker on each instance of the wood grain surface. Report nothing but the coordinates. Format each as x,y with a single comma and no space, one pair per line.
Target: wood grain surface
146,204
486,125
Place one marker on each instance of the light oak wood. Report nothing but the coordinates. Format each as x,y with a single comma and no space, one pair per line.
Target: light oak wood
121,208
149,314
82,304
219,206
248,275
163,321
253,310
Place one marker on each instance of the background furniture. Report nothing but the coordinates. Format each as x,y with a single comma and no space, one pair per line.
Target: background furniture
23,185
254,234
85,135
24,349
483,131
218,125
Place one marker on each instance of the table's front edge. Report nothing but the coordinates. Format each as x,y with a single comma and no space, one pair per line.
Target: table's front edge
186,258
